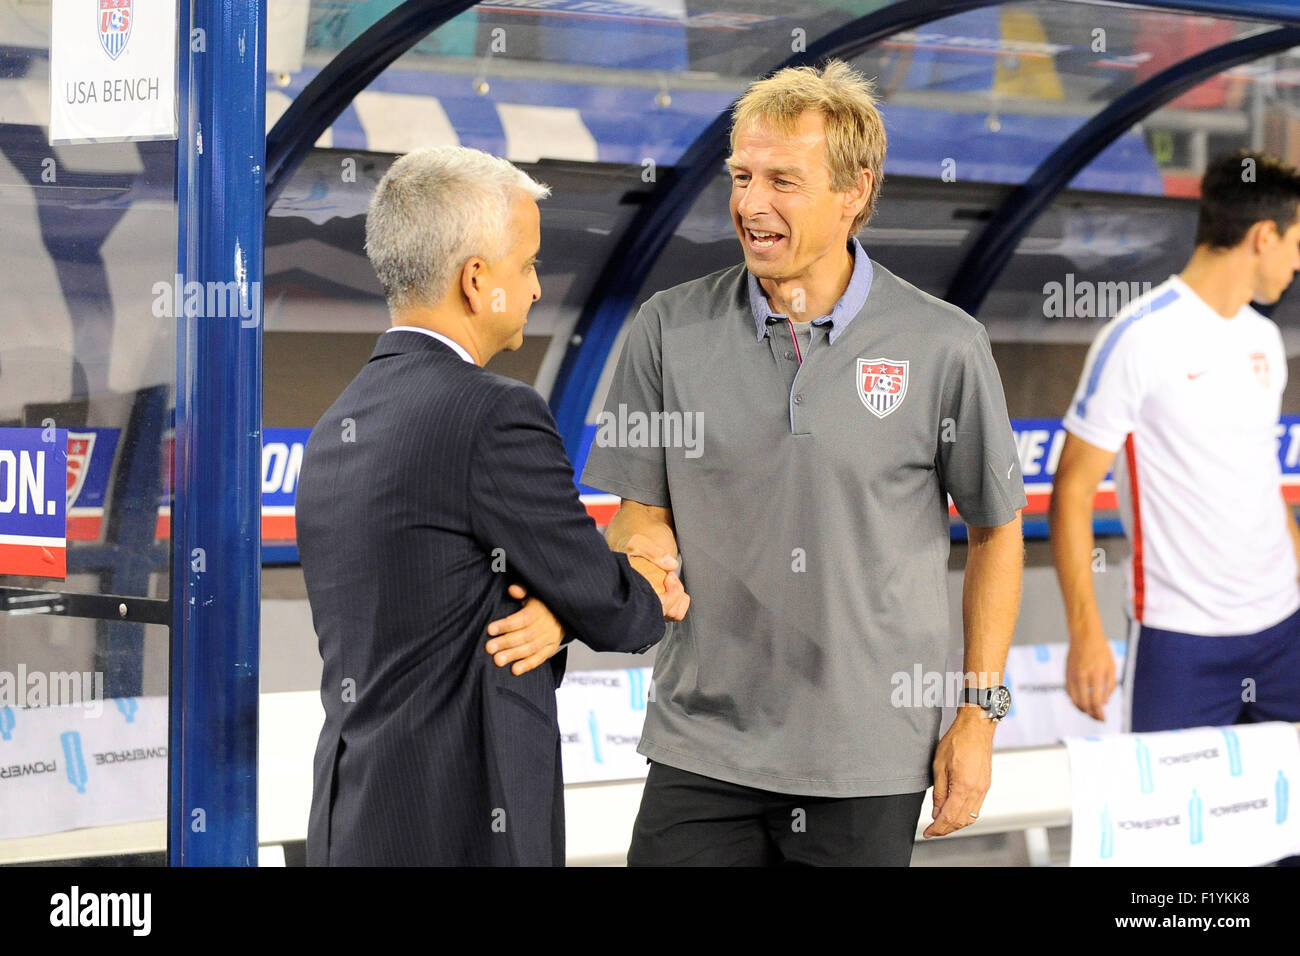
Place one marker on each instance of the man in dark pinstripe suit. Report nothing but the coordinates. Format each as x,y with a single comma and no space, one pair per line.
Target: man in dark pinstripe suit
435,496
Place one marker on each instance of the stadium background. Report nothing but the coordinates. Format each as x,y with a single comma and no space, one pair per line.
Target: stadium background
609,104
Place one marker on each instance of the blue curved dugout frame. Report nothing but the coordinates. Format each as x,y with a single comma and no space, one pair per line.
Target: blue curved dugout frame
993,249
216,513
351,71
657,219
1269,11
633,257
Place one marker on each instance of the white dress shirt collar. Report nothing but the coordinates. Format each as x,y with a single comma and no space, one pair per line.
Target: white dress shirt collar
459,349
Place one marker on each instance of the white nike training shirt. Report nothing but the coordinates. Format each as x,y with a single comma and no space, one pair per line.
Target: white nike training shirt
1193,400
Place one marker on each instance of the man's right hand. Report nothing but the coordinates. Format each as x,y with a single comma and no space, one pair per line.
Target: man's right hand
656,561
1090,666
1090,674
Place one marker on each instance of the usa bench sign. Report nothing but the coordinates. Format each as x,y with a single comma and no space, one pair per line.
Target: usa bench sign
112,71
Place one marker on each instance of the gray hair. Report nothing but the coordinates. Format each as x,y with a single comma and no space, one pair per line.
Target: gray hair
433,211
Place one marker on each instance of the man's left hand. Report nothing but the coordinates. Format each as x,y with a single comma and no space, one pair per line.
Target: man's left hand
528,637
963,770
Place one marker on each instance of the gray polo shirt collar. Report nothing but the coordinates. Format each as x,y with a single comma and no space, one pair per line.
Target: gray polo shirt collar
844,311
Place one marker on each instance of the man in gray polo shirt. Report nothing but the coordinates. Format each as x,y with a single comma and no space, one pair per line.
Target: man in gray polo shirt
834,408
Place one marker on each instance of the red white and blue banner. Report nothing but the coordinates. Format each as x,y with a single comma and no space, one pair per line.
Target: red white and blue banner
91,454
34,477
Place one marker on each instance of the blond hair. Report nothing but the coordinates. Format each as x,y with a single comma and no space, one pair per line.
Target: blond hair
855,133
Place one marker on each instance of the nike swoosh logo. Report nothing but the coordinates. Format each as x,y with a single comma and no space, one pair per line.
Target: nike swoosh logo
1190,375
1011,469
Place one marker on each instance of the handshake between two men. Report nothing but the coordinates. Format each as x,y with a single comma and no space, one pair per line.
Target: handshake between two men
533,634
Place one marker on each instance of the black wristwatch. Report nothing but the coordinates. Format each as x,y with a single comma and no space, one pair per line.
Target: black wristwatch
994,701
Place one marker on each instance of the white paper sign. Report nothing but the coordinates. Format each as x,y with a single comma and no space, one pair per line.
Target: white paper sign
112,71
63,768
1199,797
1042,713
601,715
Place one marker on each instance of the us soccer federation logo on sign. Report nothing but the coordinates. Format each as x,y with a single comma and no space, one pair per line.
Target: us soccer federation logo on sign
80,447
115,18
882,384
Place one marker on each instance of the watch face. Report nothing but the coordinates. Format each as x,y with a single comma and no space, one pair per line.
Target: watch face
1000,702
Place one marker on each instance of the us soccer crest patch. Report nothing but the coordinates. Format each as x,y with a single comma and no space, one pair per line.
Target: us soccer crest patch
115,25
882,384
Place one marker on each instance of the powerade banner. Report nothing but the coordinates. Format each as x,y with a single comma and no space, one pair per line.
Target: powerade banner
92,764
34,491
1201,797
1042,714
601,714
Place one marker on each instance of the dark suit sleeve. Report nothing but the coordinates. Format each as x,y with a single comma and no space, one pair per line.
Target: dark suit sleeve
524,501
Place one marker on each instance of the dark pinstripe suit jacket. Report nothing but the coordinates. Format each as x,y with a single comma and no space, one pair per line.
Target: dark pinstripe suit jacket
421,482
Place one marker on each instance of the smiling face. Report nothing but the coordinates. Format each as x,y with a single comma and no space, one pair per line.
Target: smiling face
782,206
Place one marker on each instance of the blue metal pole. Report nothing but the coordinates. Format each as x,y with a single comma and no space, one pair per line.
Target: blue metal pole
216,513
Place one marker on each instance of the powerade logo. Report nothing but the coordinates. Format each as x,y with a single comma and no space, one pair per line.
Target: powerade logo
636,684
590,680
1209,753
27,769
594,729
126,756
1151,823
127,706
6,723
73,760
1145,782
1233,746
1239,807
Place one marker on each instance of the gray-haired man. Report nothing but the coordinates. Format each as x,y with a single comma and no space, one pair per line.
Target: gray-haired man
434,496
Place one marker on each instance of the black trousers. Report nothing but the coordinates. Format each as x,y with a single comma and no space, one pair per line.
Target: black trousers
690,820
